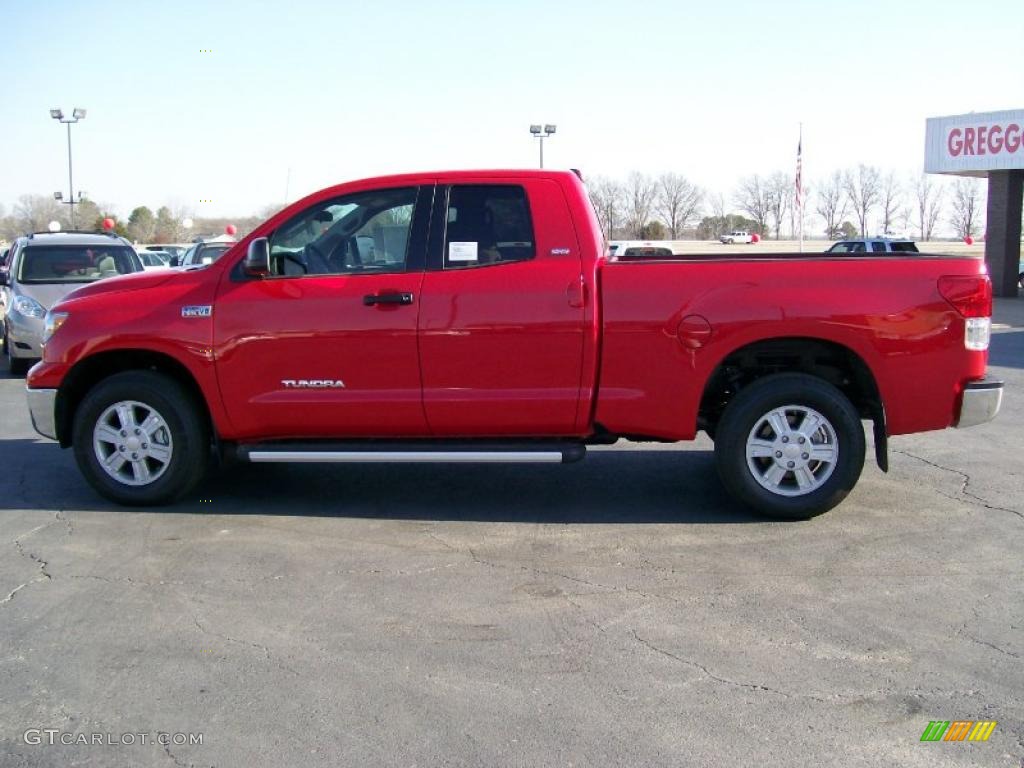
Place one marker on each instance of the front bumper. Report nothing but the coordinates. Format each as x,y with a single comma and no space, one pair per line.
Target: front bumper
981,402
41,407
25,336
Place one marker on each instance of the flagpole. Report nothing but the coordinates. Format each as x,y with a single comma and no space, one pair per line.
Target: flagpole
800,181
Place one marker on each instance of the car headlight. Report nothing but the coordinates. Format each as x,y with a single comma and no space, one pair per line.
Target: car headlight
23,305
54,320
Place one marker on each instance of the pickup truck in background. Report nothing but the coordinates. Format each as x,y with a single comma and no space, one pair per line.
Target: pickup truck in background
737,236
471,317
874,245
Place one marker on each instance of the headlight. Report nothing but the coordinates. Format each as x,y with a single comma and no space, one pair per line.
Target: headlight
54,320
23,305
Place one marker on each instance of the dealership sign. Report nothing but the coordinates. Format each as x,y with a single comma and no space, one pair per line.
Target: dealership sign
975,143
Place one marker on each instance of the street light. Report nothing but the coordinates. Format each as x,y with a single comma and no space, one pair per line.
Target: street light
76,115
542,132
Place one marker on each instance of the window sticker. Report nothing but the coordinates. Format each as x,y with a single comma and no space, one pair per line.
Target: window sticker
462,252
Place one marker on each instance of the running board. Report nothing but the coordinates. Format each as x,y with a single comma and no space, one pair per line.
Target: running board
412,453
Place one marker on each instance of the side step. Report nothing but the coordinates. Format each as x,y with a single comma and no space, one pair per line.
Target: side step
406,452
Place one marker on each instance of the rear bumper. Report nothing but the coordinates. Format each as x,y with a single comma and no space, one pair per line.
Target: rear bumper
981,402
41,407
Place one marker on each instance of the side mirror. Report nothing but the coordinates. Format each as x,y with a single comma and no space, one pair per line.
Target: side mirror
257,258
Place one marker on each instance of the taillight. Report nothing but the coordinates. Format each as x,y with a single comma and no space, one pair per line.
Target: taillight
970,295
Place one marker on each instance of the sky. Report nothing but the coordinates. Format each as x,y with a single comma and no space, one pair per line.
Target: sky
225,108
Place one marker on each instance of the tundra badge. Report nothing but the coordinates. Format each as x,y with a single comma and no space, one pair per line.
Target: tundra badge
312,383
199,310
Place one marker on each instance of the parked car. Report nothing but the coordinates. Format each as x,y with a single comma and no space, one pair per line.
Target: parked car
203,253
154,259
43,268
619,250
874,245
176,251
736,236
486,326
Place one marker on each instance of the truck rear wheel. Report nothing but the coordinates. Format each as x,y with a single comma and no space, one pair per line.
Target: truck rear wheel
790,445
139,439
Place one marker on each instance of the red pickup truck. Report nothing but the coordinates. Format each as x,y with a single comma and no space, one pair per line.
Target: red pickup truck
472,317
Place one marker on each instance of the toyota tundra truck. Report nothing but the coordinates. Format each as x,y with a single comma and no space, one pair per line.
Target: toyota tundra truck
473,317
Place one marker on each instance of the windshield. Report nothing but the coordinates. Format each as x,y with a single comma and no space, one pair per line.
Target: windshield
75,263
210,253
151,259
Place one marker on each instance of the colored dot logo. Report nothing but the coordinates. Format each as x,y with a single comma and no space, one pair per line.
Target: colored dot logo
206,50
205,201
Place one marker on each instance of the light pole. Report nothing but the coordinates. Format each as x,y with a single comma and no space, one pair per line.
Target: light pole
76,115
542,132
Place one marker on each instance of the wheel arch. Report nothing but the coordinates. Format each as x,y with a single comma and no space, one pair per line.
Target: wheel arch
828,360
87,373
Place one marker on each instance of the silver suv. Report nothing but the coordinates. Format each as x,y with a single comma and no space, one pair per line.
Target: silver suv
43,268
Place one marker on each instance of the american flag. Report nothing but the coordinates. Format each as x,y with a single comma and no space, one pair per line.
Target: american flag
800,172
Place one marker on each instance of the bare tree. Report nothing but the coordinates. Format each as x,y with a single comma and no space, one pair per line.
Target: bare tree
831,204
33,213
892,201
641,192
780,199
607,195
862,187
753,197
716,202
677,202
929,205
966,206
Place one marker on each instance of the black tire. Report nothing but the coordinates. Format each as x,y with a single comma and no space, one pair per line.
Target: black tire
1020,280
182,418
751,408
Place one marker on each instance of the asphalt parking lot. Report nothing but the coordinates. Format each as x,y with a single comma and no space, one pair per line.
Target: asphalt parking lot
622,611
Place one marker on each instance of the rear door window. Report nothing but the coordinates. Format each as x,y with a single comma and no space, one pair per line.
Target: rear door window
487,224
877,247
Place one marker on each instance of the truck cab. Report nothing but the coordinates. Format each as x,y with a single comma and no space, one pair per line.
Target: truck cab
874,245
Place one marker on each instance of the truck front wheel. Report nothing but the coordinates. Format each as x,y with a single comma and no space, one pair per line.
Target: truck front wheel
139,439
790,445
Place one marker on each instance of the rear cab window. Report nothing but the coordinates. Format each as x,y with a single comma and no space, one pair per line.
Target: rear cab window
905,247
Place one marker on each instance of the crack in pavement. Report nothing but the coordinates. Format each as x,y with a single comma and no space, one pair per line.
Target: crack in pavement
174,757
67,522
973,639
966,481
586,618
708,673
263,648
44,575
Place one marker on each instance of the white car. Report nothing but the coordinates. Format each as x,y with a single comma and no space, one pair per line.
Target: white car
154,259
737,236
621,249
